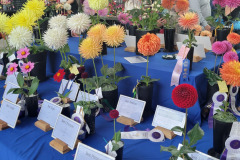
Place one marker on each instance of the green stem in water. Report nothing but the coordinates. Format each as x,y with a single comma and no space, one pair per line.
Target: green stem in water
147,66
95,71
185,128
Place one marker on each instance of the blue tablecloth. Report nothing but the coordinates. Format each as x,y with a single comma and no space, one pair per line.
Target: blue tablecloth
158,68
26,142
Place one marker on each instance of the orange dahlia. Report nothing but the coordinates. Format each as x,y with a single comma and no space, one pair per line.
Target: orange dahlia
114,35
90,48
233,38
206,33
149,44
188,20
168,4
182,5
97,32
230,72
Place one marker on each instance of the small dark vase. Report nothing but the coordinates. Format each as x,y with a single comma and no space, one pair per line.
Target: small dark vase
104,49
39,70
67,73
169,35
145,93
109,98
120,153
190,57
222,34
221,131
139,34
90,120
66,112
31,104
132,30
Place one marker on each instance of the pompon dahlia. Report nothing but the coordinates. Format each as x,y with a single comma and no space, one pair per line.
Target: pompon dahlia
20,37
58,21
149,44
98,4
230,56
97,32
230,72
222,3
228,44
206,33
114,35
79,23
188,20
55,38
233,38
36,6
219,47
182,5
90,48
87,10
168,4
232,3
184,96
3,19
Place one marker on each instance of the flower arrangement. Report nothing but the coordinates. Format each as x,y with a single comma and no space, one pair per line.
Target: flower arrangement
148,45
32,82
185,96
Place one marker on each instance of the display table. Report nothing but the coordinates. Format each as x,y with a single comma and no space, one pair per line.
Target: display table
158,68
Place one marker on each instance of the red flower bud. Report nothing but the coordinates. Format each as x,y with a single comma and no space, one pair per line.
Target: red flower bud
114,114
71,76
81,69
84,75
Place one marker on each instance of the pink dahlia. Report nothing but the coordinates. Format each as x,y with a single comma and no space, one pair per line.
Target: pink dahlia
12,68
23,53
87,9
222,3
103,12
27,67
228,44
230,56
219,47
233,3
123,18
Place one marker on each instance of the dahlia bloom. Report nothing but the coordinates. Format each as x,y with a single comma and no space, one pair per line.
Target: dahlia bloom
228,44
114,35
27,67
219,47
103,12
23,53
188,20
230,56
90,48
12,68
79,23
230,72
233,38
222,3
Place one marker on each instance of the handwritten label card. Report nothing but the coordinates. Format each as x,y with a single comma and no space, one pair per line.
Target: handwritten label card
66,130
84,96
168,118
9,113
86,152
10,96
49,112
136,59
12,78
131,108
1,69
73,88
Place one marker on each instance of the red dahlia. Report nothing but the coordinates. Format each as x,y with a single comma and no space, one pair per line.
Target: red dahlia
184,96
59,75
114,114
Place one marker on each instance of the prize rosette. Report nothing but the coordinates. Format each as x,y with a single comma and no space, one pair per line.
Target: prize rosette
56,100
232,144
156,135
218,98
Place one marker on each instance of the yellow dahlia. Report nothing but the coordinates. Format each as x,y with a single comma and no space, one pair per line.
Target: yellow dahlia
97,32
206,33
230,72
36,6
25,18
98,4
3,19
8,26
90,48
114,35
188,20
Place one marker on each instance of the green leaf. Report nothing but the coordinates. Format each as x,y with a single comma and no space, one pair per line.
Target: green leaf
118,136
172,149
187,149
63,64
195,134
99,105
66,95
34,86
115,147
20,80
104,70
178,129
118,67
66,48
18,91
73,59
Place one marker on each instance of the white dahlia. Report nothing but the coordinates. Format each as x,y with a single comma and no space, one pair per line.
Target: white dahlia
67,6
55,38
20,37
79,23
58,21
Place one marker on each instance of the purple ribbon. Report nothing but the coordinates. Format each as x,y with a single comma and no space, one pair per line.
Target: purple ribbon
107,118
210,117
224,155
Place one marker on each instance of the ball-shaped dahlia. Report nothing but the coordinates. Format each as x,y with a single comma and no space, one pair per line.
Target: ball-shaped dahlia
230,56
228,44
219,47
114,113
184,96
233,38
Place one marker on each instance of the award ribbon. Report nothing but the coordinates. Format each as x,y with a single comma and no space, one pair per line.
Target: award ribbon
233,93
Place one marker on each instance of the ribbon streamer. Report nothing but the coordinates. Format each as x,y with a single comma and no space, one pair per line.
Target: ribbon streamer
186,67
177,72
232,144
233,93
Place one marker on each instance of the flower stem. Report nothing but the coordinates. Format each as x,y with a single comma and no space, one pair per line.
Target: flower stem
215,63
39,31
114,130
147,66
102,60
95,71
185,128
